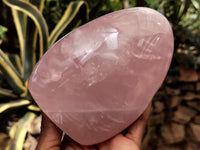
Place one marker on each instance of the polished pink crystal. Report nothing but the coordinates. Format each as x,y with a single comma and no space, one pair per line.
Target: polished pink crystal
98,79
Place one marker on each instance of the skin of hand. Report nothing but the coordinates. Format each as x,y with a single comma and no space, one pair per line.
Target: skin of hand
50,137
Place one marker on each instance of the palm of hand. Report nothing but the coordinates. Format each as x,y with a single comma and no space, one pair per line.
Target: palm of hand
119,142
50,138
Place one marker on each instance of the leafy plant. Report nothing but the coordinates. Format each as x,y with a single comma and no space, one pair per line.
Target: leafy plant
2,31
34,40
102,7
184,16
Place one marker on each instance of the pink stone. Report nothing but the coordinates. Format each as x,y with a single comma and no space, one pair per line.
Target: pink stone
98,79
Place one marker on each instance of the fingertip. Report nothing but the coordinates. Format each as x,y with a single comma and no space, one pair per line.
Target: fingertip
145,116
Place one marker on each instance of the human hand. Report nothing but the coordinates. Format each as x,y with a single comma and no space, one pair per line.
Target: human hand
50,138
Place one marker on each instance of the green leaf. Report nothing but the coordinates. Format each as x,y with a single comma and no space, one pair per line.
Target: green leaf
3,30
20,22
70,13
196,4
30,44
32,11
33,108
29,49
183,8
11,74
13,104
5,93
27,31
18,132
15,59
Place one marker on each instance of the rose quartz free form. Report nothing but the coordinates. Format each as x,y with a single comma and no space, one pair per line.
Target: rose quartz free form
98,79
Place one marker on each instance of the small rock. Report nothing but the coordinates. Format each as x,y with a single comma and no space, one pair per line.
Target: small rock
192,146
189,96
171,78
156,119
171,148
175,101
198,86
183,114
158,107
197,119
187,87
198,74
159,95
163,147
194,104
173,133
172,91
195,131
188,74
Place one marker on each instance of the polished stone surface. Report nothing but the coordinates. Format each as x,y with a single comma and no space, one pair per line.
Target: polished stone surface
98,79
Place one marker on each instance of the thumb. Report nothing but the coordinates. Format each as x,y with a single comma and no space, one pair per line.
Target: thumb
137,129
50,137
